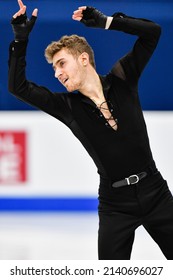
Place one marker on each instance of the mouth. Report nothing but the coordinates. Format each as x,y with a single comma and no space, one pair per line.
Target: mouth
64,81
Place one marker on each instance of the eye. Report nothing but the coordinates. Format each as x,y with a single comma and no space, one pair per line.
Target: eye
61,63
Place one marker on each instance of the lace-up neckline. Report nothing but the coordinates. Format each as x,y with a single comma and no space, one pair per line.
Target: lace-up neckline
105,110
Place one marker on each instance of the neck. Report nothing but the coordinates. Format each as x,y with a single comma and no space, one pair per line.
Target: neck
92,88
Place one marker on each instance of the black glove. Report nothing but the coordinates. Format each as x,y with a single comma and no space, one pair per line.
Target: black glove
22,26
93,18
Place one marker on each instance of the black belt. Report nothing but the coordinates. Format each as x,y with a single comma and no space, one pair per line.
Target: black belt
131,180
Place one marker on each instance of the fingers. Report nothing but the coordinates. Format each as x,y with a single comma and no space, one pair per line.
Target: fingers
75,17
23,10
35,13
21,5
20,12
78,14
82,8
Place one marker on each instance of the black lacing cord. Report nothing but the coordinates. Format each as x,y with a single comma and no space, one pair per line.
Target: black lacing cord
100,106
107,109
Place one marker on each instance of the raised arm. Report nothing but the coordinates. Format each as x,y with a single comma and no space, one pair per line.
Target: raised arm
132,64
29,92
22,27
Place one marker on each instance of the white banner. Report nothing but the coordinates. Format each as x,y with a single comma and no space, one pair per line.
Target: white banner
39,156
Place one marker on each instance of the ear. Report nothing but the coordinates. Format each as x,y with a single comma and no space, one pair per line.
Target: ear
84,58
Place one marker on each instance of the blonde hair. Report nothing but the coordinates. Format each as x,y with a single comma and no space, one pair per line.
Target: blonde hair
75,44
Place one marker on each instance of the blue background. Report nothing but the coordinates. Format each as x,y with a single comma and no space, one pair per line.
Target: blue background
54,20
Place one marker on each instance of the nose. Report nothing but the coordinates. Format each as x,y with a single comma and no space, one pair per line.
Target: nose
58,73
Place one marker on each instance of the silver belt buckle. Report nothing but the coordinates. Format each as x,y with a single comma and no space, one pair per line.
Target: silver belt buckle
133,182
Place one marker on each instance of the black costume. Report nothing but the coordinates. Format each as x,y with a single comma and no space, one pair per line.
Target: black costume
117,154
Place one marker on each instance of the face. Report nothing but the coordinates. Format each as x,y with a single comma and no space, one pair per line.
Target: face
69,70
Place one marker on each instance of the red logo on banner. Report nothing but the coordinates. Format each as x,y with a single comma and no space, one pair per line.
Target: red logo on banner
12,157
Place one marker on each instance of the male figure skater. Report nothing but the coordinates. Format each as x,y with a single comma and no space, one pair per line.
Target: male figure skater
106,116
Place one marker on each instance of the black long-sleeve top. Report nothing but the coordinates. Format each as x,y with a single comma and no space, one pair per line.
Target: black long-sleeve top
117,154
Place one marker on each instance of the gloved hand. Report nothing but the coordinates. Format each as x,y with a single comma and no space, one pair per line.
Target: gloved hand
22,26
90,17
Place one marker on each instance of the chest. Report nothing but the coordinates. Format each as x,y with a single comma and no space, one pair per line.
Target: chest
120,114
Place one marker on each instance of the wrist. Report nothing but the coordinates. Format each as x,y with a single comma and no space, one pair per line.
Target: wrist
18,49
108,22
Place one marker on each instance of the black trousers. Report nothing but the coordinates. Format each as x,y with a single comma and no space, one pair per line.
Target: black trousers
122,210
